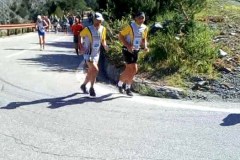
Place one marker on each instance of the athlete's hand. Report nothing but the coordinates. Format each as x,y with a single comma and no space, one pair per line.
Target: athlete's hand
146,49
81,48
106,48
130,48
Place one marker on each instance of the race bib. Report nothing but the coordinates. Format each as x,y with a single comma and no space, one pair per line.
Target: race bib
96,45
137,43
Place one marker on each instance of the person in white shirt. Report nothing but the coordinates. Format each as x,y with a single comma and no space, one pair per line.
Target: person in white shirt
41,26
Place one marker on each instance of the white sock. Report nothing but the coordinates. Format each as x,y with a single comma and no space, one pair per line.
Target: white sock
128,86
120,83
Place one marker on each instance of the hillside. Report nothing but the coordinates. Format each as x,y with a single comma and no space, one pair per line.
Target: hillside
223,17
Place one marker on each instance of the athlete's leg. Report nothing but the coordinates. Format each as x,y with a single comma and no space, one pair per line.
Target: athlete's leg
92,74
75,41
40,41
94,71
76,48
133,68
43,41
124,76
87,78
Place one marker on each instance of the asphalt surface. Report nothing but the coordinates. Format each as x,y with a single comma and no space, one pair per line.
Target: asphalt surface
45,116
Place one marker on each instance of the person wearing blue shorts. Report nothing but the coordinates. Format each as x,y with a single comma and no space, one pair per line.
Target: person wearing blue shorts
41,26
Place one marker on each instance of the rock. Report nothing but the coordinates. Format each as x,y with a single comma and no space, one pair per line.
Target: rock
222,53
225,69
222,33
202,83
196,79
177,38
233,34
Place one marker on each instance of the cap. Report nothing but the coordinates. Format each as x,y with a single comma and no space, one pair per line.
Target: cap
98,16
140,14
39,17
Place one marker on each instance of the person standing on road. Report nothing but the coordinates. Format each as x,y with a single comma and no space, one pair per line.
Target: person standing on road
133,37
48,22
71,20
90,41
77,27
65,24
41,26
55,23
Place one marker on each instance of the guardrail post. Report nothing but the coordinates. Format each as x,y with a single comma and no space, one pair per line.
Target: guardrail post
14,28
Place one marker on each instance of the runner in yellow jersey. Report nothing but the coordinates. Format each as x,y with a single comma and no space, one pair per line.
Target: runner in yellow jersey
133,37
91,39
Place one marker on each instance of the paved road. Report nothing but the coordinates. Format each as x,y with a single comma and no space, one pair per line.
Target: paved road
44,115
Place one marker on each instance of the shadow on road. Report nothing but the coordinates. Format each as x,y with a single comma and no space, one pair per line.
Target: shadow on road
56,62
21,49
61,44
58,102
231,119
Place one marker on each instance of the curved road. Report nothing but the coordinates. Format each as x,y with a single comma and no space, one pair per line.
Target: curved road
44,115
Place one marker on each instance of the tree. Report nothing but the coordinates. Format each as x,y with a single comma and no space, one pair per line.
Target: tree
93,4
72,5
151,7
189,8
59,12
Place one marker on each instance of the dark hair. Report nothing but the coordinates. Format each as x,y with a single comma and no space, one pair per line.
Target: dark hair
139,14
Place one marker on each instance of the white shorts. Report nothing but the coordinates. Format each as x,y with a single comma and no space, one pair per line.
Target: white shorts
89,58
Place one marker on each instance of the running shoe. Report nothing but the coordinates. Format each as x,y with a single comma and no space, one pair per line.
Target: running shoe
92,92
84,89
129,92
120,89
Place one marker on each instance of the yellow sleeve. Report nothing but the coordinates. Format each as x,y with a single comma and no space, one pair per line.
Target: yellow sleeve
126,31
104,34
145,33
85,32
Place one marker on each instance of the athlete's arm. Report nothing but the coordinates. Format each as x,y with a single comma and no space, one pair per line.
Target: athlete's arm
45,24
36,26
145,41
104,43
125,43
80,44
122,39
145,45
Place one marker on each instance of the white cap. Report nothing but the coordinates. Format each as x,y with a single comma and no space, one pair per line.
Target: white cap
39,17
98,16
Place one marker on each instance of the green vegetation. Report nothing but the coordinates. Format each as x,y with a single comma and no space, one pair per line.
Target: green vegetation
28,9
184,49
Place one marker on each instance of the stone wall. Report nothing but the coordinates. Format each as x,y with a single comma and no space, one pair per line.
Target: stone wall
110,72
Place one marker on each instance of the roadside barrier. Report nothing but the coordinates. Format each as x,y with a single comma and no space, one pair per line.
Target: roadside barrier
17,28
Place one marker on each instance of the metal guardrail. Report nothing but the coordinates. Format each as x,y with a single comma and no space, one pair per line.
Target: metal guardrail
15,27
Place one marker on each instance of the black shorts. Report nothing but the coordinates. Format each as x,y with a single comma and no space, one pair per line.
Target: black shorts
75,39
129,57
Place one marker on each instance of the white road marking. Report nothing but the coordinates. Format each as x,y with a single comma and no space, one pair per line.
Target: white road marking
182,105
169,103
21,52
25,50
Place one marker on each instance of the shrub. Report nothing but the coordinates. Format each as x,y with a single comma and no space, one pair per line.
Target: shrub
186,54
